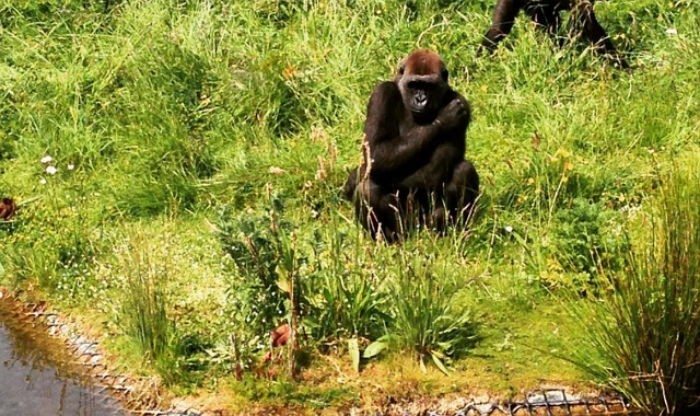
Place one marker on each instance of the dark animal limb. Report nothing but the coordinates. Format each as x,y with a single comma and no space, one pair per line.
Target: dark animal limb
7,208
546,14
503,20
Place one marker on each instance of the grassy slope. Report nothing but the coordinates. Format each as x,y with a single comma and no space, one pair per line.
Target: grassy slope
171,111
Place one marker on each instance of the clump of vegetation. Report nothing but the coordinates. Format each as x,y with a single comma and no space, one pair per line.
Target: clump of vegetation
145,306
254,243
426,318
335,299
645,334
167,335
587,238
144,309
345,301
259,296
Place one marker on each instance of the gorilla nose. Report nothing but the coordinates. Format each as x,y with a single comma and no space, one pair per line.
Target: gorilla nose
421,99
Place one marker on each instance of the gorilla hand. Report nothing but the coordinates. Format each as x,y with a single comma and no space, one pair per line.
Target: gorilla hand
453,114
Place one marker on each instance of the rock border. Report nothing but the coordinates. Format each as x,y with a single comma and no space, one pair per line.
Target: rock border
138,396
544,402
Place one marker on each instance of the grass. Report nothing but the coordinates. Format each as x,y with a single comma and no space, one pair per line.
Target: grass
222,134
646,331
426,318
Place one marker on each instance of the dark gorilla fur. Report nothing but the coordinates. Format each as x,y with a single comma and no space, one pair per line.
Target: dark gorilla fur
546,13
7,208
413,149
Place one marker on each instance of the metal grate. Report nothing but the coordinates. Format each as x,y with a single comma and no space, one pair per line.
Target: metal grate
551,402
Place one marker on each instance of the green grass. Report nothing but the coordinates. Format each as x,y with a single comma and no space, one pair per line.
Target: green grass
645,333
221,133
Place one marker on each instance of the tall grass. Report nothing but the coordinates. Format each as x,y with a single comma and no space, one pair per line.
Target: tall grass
145,313
646,334
346,302
426,319
145,304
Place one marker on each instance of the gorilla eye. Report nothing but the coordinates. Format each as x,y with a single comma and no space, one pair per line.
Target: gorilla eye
420,85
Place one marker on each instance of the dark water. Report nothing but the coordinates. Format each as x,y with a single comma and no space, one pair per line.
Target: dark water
34,377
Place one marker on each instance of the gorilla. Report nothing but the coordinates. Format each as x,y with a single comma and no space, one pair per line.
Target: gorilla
413,153
546,13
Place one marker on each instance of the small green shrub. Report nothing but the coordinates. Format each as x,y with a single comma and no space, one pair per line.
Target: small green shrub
426,319
256,301
643,337
585,240
345,300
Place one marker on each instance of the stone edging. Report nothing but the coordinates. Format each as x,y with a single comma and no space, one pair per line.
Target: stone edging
138,396
545,402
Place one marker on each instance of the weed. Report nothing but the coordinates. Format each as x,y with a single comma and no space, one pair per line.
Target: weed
253,242
346,301
147,311
586,238
145,307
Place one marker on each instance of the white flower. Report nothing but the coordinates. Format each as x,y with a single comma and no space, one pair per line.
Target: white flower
509,229
46,159
51,170
71,166
671,31
42,181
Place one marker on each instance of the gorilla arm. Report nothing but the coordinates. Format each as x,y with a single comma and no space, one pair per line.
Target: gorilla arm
454,120
396,145
503,20
396,159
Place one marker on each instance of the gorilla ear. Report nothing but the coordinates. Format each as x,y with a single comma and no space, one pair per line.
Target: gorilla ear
445,74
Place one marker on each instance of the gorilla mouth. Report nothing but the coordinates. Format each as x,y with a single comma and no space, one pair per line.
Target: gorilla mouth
420,100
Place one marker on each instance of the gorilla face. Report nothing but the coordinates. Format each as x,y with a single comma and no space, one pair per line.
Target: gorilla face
422,81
